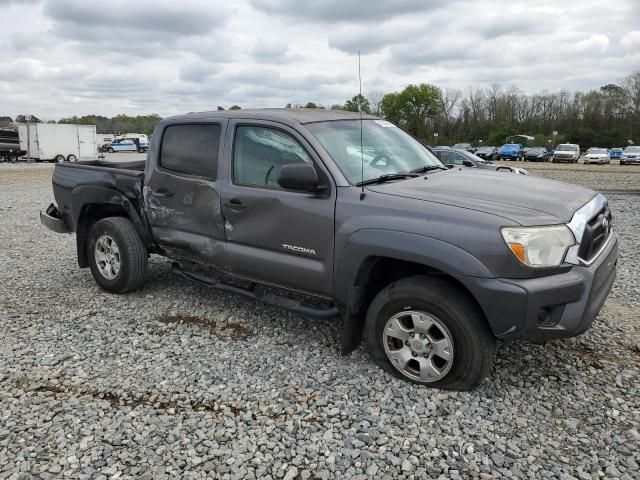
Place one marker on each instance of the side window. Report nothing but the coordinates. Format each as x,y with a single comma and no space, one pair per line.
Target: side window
191,149
456,158
260,152
446,157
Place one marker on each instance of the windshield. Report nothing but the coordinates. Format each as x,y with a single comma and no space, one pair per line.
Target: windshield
536,150
632,149
485,149
511,145
462,145
387,148
597,150
566,148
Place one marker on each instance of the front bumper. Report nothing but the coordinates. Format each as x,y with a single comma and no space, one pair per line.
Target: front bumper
630,160
555,306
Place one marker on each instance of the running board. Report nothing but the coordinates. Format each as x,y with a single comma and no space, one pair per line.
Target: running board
259,295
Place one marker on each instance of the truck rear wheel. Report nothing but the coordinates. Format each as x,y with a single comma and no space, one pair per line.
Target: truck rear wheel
427,330
59,158
117,256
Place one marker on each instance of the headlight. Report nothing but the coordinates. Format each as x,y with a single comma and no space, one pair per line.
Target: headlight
539,246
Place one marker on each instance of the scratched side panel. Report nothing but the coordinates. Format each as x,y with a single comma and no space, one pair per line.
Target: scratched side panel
188,224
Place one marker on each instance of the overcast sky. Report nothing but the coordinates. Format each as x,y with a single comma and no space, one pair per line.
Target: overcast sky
75,57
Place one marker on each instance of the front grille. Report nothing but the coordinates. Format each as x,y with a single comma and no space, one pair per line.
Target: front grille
596,232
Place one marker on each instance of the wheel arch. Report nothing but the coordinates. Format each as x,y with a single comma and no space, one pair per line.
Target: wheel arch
373,259
90,204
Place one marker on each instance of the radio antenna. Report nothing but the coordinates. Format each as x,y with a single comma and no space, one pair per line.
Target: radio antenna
362,194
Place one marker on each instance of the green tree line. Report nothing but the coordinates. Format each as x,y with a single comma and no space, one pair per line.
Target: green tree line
606,117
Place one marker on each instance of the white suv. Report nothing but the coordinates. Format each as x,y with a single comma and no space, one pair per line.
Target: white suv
566,152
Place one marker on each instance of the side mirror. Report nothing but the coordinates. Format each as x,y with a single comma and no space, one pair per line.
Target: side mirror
298,176
468,163
449,165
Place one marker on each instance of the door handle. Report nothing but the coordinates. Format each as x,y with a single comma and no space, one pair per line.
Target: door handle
163,192
235,204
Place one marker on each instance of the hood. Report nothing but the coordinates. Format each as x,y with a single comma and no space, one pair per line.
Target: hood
526,200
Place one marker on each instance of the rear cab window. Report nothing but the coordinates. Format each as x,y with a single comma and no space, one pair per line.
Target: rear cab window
191,149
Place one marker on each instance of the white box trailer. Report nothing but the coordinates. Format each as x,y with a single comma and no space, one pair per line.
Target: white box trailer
59,142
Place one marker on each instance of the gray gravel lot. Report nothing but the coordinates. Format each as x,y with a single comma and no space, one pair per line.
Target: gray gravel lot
176,381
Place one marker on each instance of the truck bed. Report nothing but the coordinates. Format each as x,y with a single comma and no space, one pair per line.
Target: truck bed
96,181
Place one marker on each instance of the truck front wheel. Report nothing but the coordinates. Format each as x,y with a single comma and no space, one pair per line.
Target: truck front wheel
428,331
117,256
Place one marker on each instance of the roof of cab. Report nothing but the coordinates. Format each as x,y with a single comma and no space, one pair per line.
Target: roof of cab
283,115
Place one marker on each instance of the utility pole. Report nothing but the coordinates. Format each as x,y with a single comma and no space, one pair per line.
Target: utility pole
28,119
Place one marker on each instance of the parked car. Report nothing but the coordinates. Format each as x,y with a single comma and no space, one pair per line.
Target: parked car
432,264
511,151
457,157
537,154
10,149
630,155
597,155
487,153
127,145
464,146
615,153
566,152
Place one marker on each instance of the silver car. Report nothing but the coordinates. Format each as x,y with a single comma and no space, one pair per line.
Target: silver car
597,155
630,155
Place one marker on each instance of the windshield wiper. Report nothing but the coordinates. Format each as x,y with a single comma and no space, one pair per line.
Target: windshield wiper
428,168
388,177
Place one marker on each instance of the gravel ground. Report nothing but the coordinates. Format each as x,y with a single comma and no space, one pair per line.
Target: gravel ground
176,381
598,177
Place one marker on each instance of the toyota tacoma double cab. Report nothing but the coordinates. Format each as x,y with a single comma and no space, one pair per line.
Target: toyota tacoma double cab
329,215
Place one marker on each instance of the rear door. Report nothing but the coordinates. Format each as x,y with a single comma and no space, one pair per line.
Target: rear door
275,235
182,192
86,142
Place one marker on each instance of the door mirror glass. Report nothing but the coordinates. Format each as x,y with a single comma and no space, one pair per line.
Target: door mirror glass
468,163
298,176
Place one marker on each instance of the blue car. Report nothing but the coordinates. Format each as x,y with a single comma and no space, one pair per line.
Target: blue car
511,151
128,145
615,153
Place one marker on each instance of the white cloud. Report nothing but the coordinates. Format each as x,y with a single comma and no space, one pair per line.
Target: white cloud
594,43
71,57
631,39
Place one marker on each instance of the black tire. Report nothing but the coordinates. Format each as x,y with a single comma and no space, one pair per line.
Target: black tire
132,255
13,158
110,150
59,159
72,158
474,344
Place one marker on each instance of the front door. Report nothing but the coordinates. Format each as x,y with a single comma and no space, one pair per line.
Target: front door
182,193
275,235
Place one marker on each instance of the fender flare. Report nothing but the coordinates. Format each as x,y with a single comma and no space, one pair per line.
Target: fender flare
85,196
367,244
409,247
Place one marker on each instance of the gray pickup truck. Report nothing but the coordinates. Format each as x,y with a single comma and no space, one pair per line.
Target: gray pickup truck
328,215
